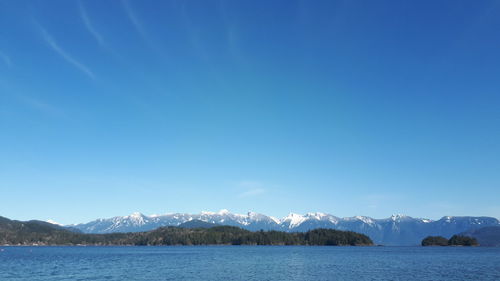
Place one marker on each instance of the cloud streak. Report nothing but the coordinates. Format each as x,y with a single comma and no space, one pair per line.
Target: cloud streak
252,188
136,23
40,105
140,29
90,27
6,59
133,18
66,56
252,192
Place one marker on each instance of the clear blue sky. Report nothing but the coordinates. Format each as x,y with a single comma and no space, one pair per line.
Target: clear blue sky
345,107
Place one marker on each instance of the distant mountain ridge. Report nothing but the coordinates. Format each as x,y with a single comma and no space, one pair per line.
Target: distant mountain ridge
486,236
395,230
197,224
38,233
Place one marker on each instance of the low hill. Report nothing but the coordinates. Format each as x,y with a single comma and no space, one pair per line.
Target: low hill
455,240
31,232
462,240
197,224
41,233
435,241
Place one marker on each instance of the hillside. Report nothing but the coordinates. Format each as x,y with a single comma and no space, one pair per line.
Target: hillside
197,224
33,232
486,236
39,233
455,240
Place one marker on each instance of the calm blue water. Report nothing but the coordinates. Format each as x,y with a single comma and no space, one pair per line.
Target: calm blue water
249,263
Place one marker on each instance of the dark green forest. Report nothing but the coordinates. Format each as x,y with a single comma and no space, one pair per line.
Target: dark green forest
435,241
41,233
460,240
455,240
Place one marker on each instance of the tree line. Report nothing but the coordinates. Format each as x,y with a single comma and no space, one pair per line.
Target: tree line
455,240
39,233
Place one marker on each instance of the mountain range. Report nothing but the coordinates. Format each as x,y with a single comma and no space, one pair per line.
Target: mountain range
194,232
486,236
397,230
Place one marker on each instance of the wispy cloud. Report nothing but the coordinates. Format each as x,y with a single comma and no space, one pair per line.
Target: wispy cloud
6,59
193,34
138,26
133,18
65,55
40,105
231,34
252,192
251,189
90,27
140,29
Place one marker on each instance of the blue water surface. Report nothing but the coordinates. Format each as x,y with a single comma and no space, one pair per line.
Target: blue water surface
249,263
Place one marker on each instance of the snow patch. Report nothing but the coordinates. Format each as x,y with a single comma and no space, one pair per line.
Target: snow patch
366,220
136,215
223,212
276,220
53,222
294,220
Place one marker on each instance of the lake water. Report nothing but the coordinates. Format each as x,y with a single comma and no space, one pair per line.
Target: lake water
249,263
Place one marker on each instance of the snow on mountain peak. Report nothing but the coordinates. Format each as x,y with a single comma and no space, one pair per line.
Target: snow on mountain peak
137,218
322,217
316,215
364,219
255,216
136,215
398,217
53,222
276,220
223,212
294,220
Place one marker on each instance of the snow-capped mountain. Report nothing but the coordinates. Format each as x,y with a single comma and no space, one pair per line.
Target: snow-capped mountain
395,230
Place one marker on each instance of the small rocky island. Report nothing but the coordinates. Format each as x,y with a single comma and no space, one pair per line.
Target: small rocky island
455,240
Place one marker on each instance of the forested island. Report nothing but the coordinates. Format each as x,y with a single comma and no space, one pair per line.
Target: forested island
41,233
455,240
